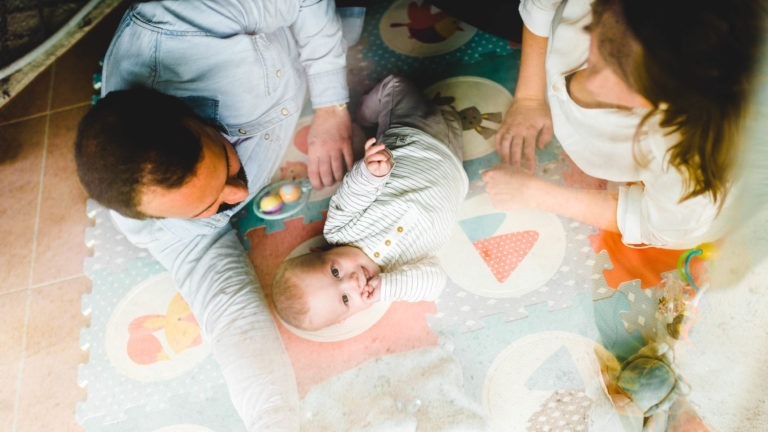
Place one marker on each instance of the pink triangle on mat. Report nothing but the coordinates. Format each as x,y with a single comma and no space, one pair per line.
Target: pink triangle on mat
503,253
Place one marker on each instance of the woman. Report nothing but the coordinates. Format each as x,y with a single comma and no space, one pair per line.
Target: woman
650,93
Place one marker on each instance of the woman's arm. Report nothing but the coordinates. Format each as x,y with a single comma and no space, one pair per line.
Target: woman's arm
527,123
512,188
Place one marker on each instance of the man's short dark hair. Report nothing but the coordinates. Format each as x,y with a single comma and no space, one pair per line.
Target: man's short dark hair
132,139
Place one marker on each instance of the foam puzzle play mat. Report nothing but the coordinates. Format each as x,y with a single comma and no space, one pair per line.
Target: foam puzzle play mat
537,310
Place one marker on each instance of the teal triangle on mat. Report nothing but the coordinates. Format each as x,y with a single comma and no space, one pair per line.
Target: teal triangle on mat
482,227
558,372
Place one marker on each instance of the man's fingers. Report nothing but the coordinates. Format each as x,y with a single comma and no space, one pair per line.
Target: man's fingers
325,171
337,168
349,159
314,175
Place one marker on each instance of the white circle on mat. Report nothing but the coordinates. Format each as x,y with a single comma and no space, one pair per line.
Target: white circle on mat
349,328
510,402
418,29
150,297
466,267
184,428
487,97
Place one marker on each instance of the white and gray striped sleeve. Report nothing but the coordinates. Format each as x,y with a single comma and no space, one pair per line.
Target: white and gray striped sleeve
357,192
416,281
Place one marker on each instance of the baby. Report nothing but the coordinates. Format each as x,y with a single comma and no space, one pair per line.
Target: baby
391,214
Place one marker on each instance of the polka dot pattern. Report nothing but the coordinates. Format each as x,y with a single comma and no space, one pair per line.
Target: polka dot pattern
503,253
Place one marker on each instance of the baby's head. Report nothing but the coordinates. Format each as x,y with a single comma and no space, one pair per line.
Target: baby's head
316,290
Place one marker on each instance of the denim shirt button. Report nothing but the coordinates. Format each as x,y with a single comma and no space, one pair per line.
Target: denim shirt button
266,136
284,111
279,73
242,131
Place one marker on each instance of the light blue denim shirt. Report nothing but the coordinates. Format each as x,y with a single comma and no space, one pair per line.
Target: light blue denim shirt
245,65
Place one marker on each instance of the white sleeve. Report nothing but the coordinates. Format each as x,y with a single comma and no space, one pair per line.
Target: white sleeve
216,279
537,15
418,281
652,214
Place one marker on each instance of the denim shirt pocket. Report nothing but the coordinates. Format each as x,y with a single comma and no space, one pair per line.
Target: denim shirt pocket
270,66
206,108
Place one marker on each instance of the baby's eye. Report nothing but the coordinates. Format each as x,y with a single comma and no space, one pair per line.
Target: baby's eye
335,272
345,299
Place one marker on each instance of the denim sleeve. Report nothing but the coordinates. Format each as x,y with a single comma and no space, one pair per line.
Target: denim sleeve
318,34
215,277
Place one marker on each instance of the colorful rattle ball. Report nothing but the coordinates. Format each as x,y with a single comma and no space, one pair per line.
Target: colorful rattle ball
271,204
289,192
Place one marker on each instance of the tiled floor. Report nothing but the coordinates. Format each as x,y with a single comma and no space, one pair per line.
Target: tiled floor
42,227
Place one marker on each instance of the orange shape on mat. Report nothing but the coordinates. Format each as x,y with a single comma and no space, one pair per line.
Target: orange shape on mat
630,264
503,253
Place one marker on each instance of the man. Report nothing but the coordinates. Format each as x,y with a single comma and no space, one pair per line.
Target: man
175,168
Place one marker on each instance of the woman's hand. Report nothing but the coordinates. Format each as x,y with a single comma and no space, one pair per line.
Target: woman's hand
510,188
526,126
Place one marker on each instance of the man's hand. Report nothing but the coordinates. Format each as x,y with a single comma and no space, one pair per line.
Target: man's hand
329,146
527,125
377,158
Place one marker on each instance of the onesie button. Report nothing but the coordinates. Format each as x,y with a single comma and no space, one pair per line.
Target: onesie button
388,242
266,136
284,111
399,229
242,131
376,254
279,73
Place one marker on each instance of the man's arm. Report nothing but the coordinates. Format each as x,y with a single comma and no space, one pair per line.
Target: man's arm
317,31
215,277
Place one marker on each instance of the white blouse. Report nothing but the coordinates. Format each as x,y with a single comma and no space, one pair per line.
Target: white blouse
602,141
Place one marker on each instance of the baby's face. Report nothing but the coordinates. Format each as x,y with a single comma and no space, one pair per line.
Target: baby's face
343,283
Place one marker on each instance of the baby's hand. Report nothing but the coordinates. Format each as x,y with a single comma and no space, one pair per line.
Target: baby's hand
372,292
377,158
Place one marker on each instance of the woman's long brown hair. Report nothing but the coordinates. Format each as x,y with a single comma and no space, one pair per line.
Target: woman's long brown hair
694,62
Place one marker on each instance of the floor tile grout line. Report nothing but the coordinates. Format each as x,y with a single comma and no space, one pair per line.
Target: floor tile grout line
56,281
28,303
43,284
41,114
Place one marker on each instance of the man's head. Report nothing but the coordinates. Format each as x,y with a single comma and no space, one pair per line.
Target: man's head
316,290
146,154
